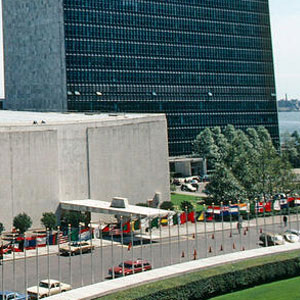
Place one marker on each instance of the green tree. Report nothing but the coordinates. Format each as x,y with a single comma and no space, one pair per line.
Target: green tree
204,145
49,220
186,206
72,217
224,187
168,205
22,222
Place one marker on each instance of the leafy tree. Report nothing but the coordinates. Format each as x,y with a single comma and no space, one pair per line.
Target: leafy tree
73,218
224,187
205,146
49,220
1,228
168,205
186,206
22,222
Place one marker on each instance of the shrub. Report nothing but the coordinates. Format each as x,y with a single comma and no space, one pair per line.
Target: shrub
22,222
168,205
49,220
186,205
1,228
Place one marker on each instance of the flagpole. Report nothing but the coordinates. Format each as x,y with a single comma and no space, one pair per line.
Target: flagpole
214,230
14,263
222,211
2,271
58,256
230,219
239,224
248,217
25,266
131,234
101,252
178,237
160,241
70,254
273,217
205,233
112,251
264,212
151,249
288,203
196,231
169,229
122,243
80,253
256,217
37,266
297,217
92,259
48,259
187,233
140,218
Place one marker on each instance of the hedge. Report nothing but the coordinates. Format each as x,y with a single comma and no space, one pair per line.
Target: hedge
206,288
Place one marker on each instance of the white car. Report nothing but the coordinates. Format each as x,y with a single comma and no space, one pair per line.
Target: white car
188,187
47,287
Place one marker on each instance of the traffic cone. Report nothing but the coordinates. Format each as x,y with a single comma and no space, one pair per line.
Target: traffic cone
230,234
182,254
233,246
195,254
213,237
221,249
260,230
209,249
129,246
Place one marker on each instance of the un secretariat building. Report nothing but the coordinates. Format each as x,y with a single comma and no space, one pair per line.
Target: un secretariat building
202,62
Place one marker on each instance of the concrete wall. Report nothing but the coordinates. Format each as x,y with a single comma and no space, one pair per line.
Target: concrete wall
34,64
45,164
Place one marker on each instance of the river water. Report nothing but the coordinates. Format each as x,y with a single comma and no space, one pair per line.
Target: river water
289,121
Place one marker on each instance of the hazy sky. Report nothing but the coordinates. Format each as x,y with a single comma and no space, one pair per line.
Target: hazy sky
285,22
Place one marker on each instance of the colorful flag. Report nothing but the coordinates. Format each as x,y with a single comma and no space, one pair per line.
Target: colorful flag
200,216
191,216
183,218
84,234
175,219
145,223
126,227
137,224
41,240
154,222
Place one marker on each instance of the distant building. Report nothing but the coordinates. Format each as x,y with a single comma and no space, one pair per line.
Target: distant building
50,157
203,63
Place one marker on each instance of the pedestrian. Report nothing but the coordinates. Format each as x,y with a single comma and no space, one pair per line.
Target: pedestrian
285,221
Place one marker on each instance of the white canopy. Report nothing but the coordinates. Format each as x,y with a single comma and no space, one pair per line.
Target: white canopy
97,206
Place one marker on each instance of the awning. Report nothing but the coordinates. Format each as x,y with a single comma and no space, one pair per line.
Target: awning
104,207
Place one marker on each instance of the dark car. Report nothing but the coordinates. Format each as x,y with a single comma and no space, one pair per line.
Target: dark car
130,267
9,295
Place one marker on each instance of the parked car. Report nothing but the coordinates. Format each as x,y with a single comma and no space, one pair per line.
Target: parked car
75,248
47,287
188,187
130,267
271,239
291,237
9,295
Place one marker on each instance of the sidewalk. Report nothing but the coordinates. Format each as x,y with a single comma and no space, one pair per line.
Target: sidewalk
112,286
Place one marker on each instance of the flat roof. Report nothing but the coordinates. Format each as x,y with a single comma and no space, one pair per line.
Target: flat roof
10,118
97,206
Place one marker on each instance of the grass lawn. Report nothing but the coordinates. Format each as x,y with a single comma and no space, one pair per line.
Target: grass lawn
176,199
150,288
288,289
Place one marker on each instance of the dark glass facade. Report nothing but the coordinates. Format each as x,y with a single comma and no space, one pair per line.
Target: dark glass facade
202,62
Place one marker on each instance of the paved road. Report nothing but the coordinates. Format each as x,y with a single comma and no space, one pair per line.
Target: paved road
163,250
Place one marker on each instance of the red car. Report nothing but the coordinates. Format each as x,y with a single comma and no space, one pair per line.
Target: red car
131,267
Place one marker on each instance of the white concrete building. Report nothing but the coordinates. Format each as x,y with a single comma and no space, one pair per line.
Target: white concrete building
51,157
